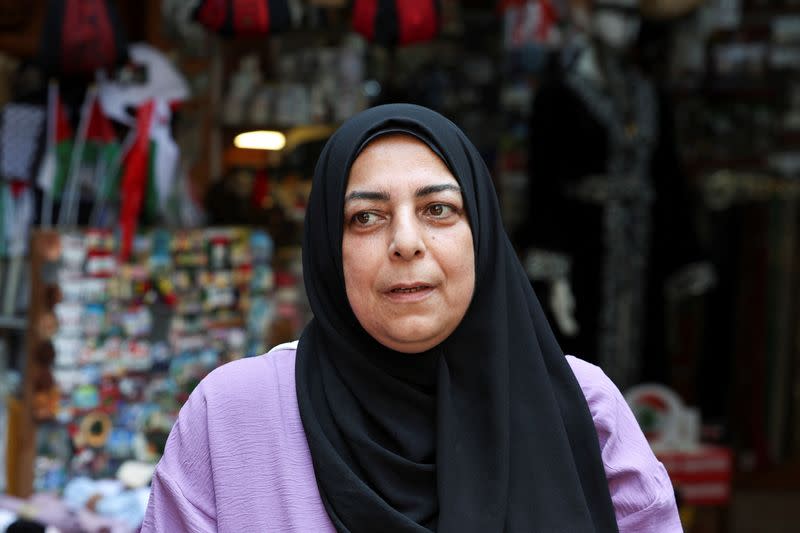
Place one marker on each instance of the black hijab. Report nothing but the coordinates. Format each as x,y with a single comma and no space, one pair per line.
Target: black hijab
487,432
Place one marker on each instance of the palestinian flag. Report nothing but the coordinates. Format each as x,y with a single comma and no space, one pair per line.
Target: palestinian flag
93,162
55,163
101,154
149,171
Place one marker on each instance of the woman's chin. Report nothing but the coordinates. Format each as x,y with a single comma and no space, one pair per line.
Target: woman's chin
413,336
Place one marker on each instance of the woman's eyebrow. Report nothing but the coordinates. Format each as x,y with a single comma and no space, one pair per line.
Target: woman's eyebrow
433,189
367,195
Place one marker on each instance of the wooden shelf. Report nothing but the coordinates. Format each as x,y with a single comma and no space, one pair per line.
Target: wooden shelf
22,429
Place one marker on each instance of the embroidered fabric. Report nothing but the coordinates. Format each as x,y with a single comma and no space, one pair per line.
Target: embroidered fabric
627,192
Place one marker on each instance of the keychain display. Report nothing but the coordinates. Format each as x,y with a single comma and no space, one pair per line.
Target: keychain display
129,341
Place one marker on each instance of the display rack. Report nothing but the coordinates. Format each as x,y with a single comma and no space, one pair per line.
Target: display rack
114,349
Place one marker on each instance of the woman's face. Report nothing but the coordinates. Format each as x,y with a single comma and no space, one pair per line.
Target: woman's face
409,265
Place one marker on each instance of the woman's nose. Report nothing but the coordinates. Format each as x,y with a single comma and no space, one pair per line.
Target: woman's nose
407,239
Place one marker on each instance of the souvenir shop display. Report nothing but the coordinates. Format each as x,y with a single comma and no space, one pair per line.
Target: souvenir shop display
120,345
128,312
126,323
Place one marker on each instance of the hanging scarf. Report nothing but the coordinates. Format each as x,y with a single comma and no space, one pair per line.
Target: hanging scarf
487,432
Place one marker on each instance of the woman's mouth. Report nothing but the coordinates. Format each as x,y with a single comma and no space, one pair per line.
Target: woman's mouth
407,293
408,290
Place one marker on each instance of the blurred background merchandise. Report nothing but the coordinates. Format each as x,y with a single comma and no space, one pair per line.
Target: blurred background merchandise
155,162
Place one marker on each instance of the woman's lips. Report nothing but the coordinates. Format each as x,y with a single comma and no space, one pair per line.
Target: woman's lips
410,292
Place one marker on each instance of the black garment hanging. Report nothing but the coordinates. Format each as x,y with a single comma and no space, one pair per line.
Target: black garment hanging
570,145
487,432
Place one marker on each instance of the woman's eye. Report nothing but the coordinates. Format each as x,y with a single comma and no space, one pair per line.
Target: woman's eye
440,210
363,218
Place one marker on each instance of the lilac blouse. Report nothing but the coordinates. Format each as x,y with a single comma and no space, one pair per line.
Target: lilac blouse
237,458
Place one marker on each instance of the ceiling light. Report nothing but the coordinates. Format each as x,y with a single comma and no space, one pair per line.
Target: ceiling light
260,140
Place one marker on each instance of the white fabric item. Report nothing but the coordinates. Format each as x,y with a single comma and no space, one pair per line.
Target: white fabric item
18,213
164,82
562,304
47,168
47,171
167,152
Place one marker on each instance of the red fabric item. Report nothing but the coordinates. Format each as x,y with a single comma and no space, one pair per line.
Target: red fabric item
549,17
63,129
260,190
87,39
134,179
417,21
212,14
364,12
17,187
100,128
250,17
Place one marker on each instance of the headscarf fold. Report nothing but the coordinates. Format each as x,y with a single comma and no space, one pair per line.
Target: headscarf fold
488,431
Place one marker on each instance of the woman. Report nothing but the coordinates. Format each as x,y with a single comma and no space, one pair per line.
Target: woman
428,392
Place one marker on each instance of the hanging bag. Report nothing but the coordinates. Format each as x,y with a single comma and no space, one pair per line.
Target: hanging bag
81,37
397,22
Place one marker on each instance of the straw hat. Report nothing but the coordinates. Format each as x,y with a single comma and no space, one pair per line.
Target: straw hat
668,9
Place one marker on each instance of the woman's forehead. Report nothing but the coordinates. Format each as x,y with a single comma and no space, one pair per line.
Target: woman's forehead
397,159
